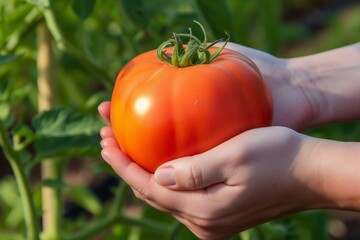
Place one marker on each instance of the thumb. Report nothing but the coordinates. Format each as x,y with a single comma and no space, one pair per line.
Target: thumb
193,172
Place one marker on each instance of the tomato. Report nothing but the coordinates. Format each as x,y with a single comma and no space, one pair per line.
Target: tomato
161,112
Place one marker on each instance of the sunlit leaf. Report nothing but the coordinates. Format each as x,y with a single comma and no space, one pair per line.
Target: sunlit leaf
120,231
43,3
4,110
63,132
12,212
22,136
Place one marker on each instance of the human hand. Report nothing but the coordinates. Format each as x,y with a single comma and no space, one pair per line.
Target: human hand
287,94
311,90
252,178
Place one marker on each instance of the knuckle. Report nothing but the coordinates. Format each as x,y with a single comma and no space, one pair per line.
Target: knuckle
142,194
138,195
207,227
205,221
193,176
205,224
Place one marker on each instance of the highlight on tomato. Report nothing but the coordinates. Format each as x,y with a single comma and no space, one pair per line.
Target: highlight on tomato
181,100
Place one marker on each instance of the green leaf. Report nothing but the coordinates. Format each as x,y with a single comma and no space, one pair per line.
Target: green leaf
119,231
42,3
86,199
65,133
270,16
185,233
154,214
12,212
55,184
19,94
4,110
2,24
96,99
83,8
274,231
239,14
7,58
22,130
217,16
22,136
136,10
67,122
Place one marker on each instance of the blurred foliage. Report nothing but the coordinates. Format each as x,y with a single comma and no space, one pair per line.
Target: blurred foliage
93,40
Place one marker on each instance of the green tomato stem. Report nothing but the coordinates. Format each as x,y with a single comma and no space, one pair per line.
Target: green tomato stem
31,221
197,51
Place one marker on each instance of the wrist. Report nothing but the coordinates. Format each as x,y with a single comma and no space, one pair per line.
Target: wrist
330,171
340,167
303,78
308,176
329,82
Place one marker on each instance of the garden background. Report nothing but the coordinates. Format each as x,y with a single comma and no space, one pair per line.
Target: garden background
59,60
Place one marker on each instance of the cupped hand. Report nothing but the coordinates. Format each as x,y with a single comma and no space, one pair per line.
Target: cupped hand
252,178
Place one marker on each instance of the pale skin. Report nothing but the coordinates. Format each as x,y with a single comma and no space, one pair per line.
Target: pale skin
265,173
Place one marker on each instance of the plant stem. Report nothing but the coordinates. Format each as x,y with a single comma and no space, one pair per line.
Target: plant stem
120,198
110,220
175,229
114,217
102,224
196,53
31,220
50,168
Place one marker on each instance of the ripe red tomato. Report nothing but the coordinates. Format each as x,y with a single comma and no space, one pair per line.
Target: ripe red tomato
161,112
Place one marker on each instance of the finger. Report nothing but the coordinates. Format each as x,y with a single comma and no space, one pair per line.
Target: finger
107,132
199,171
109,142
143,182
172,209
153,203
137,177
104,111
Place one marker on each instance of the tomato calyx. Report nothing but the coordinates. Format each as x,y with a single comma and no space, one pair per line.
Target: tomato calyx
197,51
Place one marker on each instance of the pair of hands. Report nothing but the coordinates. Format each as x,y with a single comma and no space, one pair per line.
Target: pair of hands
252,178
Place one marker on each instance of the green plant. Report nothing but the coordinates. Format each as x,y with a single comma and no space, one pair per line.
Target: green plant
58,61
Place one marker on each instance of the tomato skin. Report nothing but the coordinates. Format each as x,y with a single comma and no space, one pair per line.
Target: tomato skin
160,112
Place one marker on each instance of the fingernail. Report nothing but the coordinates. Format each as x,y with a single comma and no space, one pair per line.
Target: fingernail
102,132
165,176
102,143
104,156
